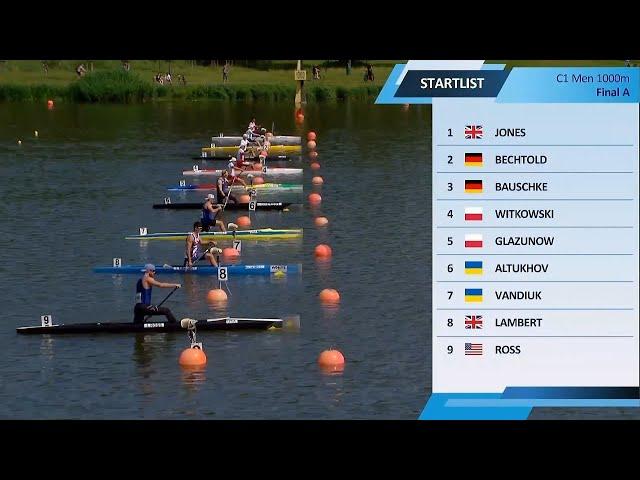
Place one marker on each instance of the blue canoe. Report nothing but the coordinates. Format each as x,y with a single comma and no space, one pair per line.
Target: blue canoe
262,269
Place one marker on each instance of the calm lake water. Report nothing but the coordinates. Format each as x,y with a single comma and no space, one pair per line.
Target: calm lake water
71,195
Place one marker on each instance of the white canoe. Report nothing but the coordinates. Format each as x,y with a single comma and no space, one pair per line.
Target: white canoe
274,172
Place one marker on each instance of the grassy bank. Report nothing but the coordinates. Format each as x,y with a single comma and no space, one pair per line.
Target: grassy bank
107,82
121,87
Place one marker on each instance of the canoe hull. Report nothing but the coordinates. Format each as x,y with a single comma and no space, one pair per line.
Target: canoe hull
153,327
261,269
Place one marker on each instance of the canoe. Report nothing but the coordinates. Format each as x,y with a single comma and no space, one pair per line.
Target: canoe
261,269
273,150
260,234
269,172
230,206
225,323
263,187
234,141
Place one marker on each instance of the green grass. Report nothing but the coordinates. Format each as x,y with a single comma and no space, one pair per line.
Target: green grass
29,72
25,80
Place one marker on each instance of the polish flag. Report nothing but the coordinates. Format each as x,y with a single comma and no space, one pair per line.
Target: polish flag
473,240
473,213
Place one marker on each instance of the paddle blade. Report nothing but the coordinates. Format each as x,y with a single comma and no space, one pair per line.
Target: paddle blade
291,322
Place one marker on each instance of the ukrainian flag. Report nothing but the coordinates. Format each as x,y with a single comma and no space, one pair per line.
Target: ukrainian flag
473,295
473,268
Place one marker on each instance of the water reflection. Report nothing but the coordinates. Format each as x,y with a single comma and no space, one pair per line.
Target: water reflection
47,343
218,309
332,370
193,377
146,350
331,389
330,310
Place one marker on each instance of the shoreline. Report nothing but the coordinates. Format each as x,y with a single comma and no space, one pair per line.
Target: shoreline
14,93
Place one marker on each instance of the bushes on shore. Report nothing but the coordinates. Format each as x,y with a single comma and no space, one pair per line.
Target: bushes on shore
126,87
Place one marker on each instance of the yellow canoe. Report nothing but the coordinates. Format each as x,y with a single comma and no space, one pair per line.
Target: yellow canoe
231,151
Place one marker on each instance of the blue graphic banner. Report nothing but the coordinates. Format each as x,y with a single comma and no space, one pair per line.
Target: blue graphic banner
518,85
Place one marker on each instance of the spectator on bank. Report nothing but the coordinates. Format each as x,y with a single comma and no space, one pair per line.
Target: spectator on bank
126,66
348,67
167,77
370,72
45,67
225,73
81,70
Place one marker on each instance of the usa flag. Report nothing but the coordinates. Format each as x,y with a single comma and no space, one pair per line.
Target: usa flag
473,131
473,349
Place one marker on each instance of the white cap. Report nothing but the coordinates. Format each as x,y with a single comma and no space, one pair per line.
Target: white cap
211,196
233,159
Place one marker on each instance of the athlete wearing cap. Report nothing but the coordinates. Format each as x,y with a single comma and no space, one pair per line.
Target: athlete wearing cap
195,251
210,211
223,189
235,171
143,307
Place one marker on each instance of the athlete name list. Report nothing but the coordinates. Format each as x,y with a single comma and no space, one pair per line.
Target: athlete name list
535,245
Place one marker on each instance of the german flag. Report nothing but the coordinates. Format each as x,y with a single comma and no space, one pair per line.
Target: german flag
472,159
473,186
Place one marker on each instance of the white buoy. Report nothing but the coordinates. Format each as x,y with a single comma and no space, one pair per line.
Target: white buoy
19,142
36,133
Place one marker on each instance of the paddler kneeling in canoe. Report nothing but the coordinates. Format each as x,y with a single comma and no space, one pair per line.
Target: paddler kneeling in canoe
210,212
143,307
195,250
223,188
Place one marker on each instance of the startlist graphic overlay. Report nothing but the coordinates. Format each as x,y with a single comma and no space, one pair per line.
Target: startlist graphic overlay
535,239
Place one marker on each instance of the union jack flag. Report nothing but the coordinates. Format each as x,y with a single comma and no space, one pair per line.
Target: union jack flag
473,322
473,131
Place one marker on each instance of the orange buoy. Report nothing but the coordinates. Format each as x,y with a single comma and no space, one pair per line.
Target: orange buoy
192,357
217,295
313,154
258,180
329,295
314,198
50,103
331,358
323,250
317,180
321,221
315,166
311,135
311,145
243,221
230,252
257,166
300,118
244,198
